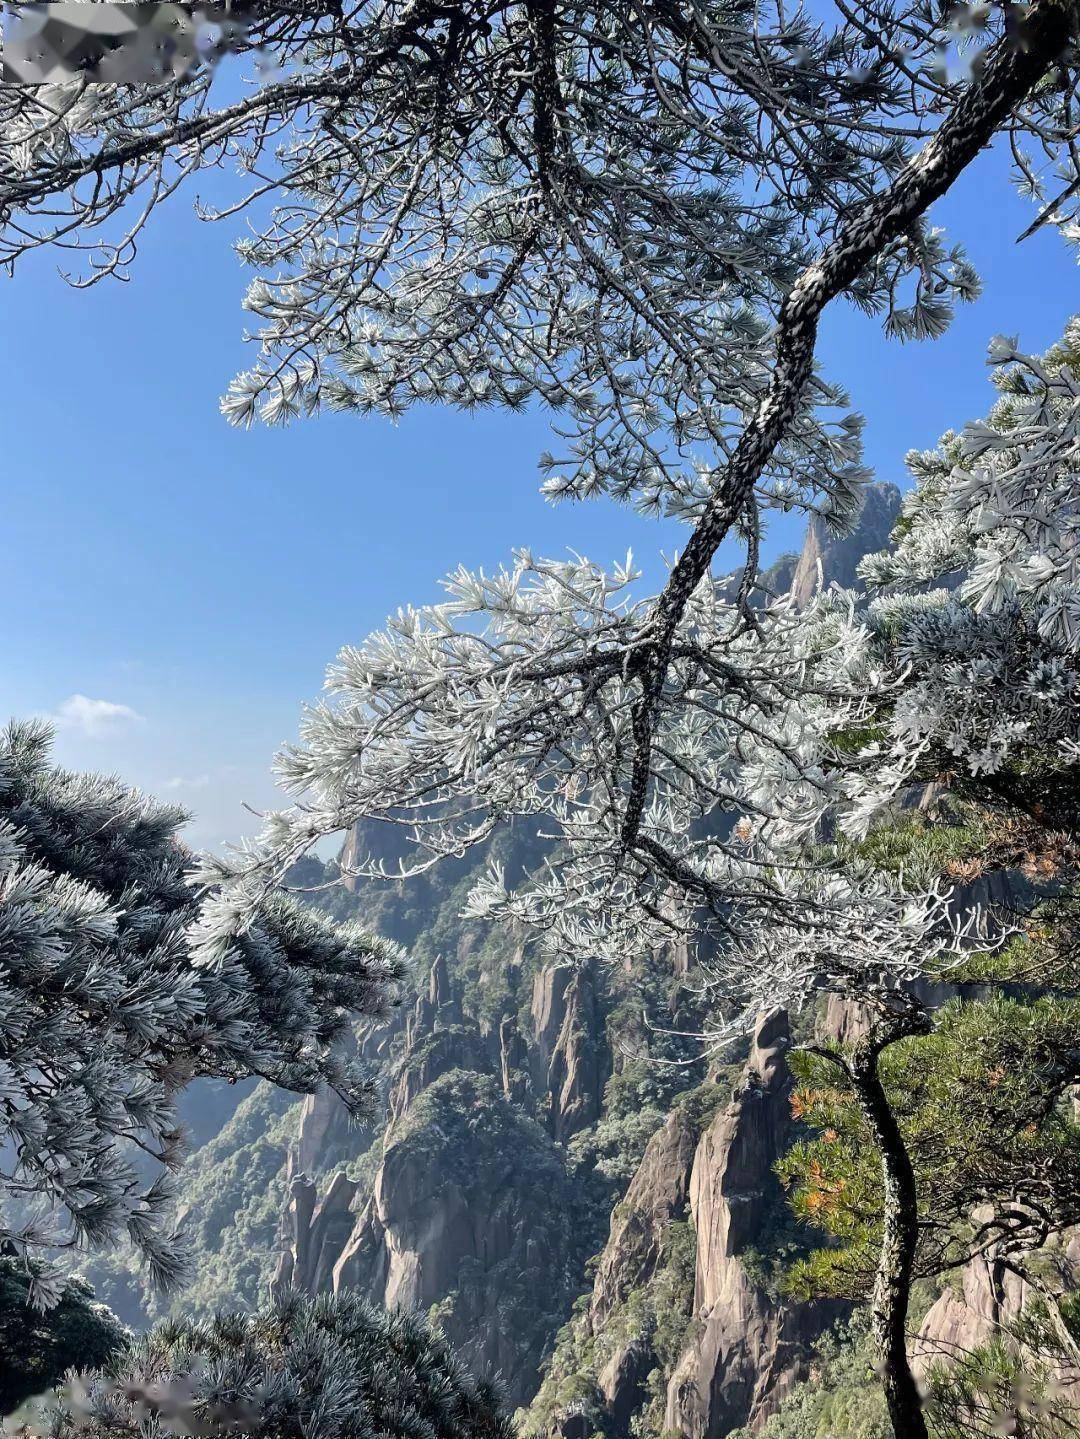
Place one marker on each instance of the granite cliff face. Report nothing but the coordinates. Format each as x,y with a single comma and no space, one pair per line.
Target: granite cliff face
472,1215
833,559
682,1326
472,1208
987,1297
568,1034
749,1347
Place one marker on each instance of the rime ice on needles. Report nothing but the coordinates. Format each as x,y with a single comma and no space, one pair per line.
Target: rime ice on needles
854,933
114,994
635,215
602,210
994,661
515,697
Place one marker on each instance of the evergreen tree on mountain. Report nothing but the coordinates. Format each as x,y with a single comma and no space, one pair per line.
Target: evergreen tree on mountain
637,215
116,991
973,651
332,1368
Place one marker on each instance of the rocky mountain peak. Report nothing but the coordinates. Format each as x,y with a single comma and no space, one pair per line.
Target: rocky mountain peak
828,558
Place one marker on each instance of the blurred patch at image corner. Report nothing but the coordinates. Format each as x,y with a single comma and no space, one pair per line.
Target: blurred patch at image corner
115,43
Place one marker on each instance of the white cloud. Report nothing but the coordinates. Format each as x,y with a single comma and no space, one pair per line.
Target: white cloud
94,717
198,781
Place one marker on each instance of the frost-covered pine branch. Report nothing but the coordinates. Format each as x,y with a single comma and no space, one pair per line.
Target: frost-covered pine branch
118,987
635,215
981,601
516,697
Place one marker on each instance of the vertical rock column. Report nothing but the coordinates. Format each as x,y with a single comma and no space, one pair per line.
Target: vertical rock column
750,1347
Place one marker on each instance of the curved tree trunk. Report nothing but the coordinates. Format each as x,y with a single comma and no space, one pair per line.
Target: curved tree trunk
1011,72
892,1286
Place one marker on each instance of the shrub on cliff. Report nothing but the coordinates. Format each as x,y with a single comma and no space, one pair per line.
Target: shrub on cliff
36,1349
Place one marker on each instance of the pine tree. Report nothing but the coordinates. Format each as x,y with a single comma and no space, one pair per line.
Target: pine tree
973,1144
37,1349
636,215
332,1368
116,991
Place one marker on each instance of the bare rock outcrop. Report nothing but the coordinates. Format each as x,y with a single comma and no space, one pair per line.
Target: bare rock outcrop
676,1290
570,1048
514,1063
750,1347
319,1228
471,1209
471,1212
438,1005
960,1320
988,1299
827,558
636,1249
326,1135
548,1009
323,1129
658,1194
316,1231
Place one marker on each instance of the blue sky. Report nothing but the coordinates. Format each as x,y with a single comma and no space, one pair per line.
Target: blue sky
197,579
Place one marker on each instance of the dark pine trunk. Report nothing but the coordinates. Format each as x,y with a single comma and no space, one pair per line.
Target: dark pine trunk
892,1287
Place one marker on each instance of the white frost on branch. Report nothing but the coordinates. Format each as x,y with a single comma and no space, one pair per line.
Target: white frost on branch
993,653
515,699
114,996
